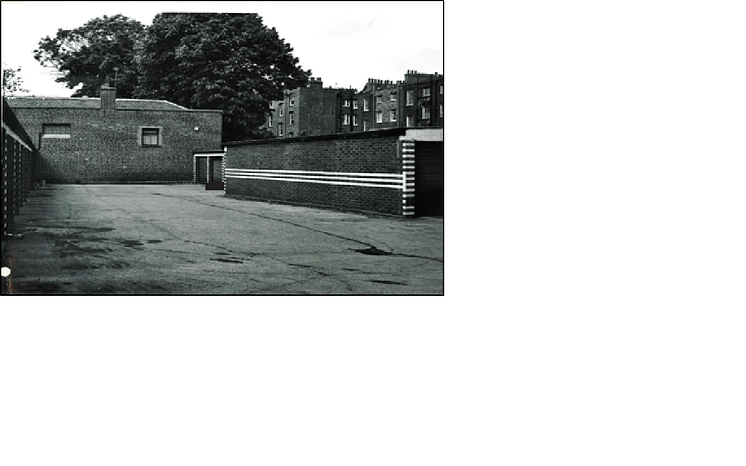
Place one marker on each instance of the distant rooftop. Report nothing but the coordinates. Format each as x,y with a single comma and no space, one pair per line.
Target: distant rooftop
90,102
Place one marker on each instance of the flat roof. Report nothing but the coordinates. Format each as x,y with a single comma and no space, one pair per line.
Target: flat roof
95,103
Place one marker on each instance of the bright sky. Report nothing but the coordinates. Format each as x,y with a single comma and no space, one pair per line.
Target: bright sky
344,43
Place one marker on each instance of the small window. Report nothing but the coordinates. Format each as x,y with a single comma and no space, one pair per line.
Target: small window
410,121
56,130
365,125
392,115
291,100
354,104
410,98
441,89
151,137
292,117
379,117
346,119
282,110
269,121
425,112
392,97
425,92
379,99
279,129
366,106
346,103
441,110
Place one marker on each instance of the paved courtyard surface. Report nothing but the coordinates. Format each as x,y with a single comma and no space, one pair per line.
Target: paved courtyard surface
182,239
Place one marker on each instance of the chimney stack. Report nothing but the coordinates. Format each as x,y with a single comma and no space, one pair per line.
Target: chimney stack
108,98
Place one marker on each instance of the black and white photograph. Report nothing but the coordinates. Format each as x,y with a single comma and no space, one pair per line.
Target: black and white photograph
237,152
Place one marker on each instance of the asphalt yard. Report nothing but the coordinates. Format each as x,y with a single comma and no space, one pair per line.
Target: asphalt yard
183,240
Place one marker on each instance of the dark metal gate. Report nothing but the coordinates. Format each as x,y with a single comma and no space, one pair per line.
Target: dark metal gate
215,166
208,169
428,178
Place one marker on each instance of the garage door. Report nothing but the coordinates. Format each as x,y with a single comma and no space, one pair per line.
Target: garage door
428,178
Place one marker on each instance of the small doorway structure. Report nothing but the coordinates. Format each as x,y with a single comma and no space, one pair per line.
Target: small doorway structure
428,175
208,169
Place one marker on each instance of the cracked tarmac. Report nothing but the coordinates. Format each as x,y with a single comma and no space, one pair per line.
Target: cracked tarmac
183,240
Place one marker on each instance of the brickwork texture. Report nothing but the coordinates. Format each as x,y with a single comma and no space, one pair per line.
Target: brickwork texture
352,156
106,145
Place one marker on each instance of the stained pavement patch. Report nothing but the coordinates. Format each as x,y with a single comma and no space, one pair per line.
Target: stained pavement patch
388,282
373,251
221,259
36,287
130,243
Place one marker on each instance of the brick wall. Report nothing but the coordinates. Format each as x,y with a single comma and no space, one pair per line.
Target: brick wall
105,146
358,172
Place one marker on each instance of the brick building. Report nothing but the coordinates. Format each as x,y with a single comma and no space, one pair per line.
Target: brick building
372,171
116,140
308,111
422,99
417,101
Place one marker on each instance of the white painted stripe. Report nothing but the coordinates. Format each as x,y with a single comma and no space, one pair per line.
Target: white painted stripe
318,178
375,180
301,172
310,180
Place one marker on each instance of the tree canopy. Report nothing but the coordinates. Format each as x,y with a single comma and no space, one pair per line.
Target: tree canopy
226,61
12,82
88,55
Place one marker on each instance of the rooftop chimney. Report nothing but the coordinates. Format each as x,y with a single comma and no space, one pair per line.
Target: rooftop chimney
108,98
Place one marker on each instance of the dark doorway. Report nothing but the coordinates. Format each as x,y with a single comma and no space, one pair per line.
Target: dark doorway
428,178
216,169
202,170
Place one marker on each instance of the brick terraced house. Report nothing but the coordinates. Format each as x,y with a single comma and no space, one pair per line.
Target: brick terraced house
415,102
106,139
308,111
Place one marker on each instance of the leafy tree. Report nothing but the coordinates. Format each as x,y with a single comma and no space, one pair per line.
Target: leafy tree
12,82
89,54
227,61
